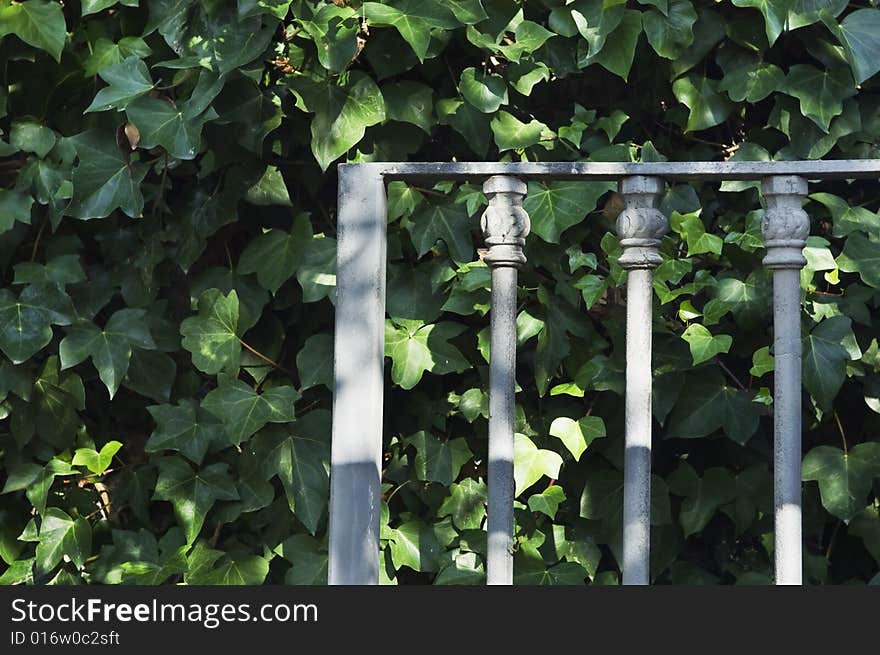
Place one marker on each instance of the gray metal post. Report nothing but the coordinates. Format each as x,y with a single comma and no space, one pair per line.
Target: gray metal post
641,226
359,355
785,229
505,225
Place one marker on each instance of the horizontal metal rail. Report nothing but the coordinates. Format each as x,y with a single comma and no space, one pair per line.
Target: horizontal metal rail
355,477
697,170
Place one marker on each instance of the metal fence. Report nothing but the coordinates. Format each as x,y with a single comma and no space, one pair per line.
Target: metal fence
355,495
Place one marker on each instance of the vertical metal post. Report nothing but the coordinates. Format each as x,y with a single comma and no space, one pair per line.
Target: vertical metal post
640,226
505,226
359,356
785,228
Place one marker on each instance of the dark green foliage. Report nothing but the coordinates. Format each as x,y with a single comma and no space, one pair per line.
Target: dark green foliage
167,250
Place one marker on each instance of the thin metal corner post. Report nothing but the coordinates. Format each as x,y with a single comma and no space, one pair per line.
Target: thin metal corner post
505,225
641,227
359,345
785,228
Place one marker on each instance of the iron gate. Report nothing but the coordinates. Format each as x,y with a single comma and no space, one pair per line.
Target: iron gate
355,475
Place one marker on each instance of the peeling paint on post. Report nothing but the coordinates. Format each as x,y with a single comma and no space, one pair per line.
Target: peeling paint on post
359,358
505,226
640,226
785,228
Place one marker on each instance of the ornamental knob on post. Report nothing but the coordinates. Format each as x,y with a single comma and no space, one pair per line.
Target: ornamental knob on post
786,225
505,223
641,225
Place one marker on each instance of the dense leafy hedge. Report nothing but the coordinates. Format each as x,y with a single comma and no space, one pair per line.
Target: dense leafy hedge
167,194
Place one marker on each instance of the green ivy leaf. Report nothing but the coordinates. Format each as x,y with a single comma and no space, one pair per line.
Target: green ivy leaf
469,122
211,336
193,493
247,570
589,18
31,136
161,123
128,80
243,411
105,52
762,362
530,463
807,12
548,501
308,560
463,568
220,40
691,227
438,461
619,50
27,320
859,33
672,32
866,525
844,477
523,76
485,91
468,12
342,111
448,222
602,499
314,362
414,19
577,435
94,6
466,504
752,82
775,14
317,271
96,461
105,179
556,206
863,257
703,496
334,31
700,94
712,405
703,344
14,206
410,102
512,134
39,23
415,545
110,349
824,359
820,92
62,535
415,348
40,482
847,218
276,255
553,339
531,570
185,428
300,456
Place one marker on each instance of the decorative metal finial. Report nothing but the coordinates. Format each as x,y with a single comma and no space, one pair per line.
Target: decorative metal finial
505,223
786,225
641,225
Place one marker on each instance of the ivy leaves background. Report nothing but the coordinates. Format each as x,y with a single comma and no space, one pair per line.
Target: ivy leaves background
167,246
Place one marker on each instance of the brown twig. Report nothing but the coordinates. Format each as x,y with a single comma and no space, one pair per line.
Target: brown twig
266,359
730,373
